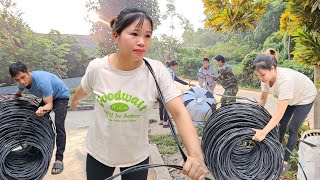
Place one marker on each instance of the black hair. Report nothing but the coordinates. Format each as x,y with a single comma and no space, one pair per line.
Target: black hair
127,16
171,63
266,60
17,67
206,59
219,58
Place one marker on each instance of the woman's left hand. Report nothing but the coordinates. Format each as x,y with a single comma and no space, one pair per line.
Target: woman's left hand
194,168
259,135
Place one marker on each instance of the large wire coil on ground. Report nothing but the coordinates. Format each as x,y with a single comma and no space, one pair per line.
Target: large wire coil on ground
228,149
26,140
200,104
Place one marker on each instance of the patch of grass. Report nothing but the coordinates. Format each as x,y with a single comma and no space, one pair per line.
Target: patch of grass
165,144
200,131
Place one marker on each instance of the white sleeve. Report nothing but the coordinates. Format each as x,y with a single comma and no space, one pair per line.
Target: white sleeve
87,79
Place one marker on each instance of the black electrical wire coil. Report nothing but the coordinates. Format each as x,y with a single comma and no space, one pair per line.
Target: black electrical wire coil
26,140
229,150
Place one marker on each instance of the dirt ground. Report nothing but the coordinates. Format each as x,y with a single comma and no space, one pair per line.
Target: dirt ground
77,123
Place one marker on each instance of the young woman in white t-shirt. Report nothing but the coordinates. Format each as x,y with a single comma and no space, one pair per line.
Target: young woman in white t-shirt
295,92
125,92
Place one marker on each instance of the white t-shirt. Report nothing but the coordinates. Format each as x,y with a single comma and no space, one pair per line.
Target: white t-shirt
292,85
119,134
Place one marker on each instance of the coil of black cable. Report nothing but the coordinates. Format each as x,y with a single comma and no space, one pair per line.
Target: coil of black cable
228,149
26,140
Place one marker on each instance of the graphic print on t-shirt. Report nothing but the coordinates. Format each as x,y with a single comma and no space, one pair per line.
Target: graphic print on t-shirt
117,106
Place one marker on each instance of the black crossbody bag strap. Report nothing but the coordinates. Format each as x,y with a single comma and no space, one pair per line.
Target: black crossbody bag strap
173,132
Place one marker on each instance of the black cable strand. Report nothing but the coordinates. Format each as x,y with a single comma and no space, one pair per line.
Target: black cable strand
303,172
173,132
28,156
229,150
143,167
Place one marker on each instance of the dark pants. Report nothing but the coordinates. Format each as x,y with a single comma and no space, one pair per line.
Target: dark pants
228,95
59,120
297,114
162,112
99,171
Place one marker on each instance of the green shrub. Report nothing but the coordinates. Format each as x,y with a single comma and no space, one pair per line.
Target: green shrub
245,74
304,69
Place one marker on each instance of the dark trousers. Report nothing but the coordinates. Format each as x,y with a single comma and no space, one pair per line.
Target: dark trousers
229,95
162,112
98,171
60,110
297,114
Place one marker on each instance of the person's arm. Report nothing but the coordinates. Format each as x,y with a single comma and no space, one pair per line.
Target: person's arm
180,81
48,101
195,166
18,93
223,73
263,98
77,97
200,79
261,134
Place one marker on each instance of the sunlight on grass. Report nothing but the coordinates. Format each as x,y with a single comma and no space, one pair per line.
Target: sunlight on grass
165,144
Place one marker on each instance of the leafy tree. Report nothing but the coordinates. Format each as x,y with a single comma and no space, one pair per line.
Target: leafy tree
190,60
202,37
269,23
43,54
76,57
307,16
14,34
164,48
234,50
303,12
225,15
301,19
307,49
275,41
245,75
106,9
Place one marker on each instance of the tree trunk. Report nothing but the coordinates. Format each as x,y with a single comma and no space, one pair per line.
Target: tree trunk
316,118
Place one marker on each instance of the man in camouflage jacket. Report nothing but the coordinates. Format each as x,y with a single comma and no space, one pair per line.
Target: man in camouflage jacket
227,79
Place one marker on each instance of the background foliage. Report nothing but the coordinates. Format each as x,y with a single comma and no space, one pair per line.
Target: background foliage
237,29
